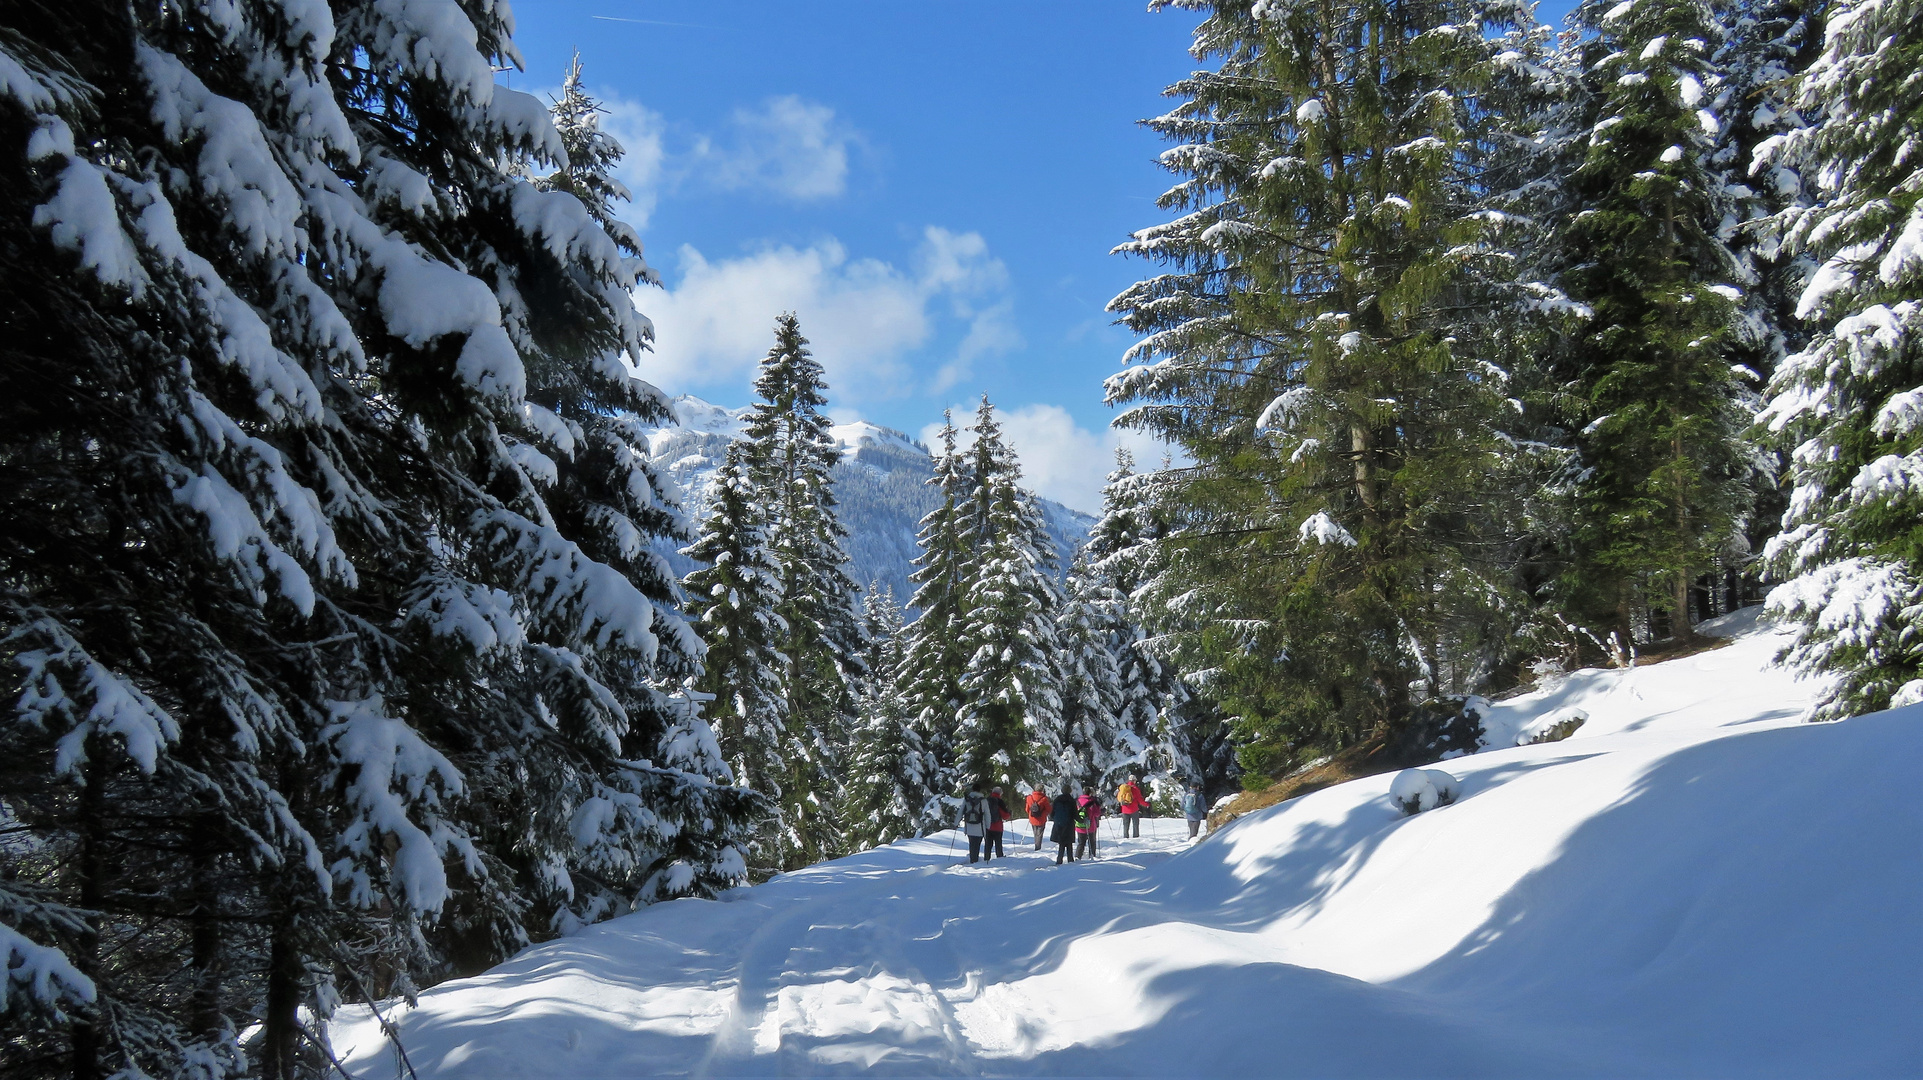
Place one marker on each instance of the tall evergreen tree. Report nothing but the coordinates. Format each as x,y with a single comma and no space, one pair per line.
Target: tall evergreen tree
335,647
1120,553
889,772
1190,740
1321,350
735,601
792,458
934,657
1010,684
1092,742
1849,406
1662,475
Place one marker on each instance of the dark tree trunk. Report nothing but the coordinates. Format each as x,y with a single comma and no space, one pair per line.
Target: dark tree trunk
93,892
280,1035
205,1014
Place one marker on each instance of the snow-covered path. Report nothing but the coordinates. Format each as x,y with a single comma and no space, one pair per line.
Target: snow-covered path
1695,885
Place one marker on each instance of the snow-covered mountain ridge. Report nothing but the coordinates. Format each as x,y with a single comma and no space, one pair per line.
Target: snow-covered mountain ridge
1696,883
879,485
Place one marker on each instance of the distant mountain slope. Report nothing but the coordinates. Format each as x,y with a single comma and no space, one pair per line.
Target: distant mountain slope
880,485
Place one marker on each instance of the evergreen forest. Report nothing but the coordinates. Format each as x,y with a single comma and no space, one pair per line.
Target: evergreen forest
339,649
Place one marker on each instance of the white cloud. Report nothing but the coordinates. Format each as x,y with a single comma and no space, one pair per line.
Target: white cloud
639,130
786,146
862,316
1061,460
793,148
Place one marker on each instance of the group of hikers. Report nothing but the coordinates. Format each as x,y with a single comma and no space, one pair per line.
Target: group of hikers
1070,820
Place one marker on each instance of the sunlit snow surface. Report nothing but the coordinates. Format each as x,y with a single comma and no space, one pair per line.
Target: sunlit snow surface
1695,884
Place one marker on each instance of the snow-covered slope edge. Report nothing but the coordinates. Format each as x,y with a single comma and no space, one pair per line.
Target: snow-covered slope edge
1696,884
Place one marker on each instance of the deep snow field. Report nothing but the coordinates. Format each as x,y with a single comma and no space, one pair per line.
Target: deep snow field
1695,884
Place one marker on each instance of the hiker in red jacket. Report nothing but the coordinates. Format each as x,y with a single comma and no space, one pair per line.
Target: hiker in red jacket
997,813
1133,805
1088,817
1038,808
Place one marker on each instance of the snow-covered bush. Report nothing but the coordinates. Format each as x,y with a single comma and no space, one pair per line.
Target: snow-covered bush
1416,790
1552,726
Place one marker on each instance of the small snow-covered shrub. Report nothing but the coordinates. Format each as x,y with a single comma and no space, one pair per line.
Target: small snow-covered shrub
1559,726
1416,790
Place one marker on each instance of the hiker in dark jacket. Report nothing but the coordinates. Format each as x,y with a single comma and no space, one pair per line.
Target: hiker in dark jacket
1061,820
997,814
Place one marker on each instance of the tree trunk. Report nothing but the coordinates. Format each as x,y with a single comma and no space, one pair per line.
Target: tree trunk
1362,440
280,1035
205,1016
93,892
1679,628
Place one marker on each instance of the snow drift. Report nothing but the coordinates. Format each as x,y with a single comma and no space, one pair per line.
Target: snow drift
1696,883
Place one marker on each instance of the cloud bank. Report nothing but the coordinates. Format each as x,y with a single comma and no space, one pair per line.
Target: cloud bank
863,316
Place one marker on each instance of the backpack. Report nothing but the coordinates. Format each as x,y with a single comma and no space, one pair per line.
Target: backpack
972,811
1081,816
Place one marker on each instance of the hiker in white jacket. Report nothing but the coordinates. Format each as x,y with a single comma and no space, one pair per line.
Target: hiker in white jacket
974,822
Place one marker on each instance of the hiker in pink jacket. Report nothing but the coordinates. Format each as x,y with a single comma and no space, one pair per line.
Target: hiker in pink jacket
1133,805
1088,817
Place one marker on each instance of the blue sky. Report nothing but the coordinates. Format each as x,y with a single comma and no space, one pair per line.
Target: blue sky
933,187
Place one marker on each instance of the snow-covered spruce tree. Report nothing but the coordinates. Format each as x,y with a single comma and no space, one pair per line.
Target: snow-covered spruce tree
1850,404
1321,350
1011,688
1662,476
935,655
888,791
169,635
792,456
1120,553
1767,44
1190,740
290,319
735,602
1089,740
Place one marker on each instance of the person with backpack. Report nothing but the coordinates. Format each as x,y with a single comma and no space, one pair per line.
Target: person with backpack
997,814
1088,818
974,820
1038,808
1130,802
1061,817
1194,808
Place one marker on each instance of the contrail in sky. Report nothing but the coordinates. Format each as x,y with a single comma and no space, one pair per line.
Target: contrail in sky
653,22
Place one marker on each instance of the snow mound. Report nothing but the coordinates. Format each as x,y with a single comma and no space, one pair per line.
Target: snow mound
1695,884
1416,790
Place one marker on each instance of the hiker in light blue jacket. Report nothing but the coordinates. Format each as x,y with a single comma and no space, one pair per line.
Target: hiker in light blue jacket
1195,808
